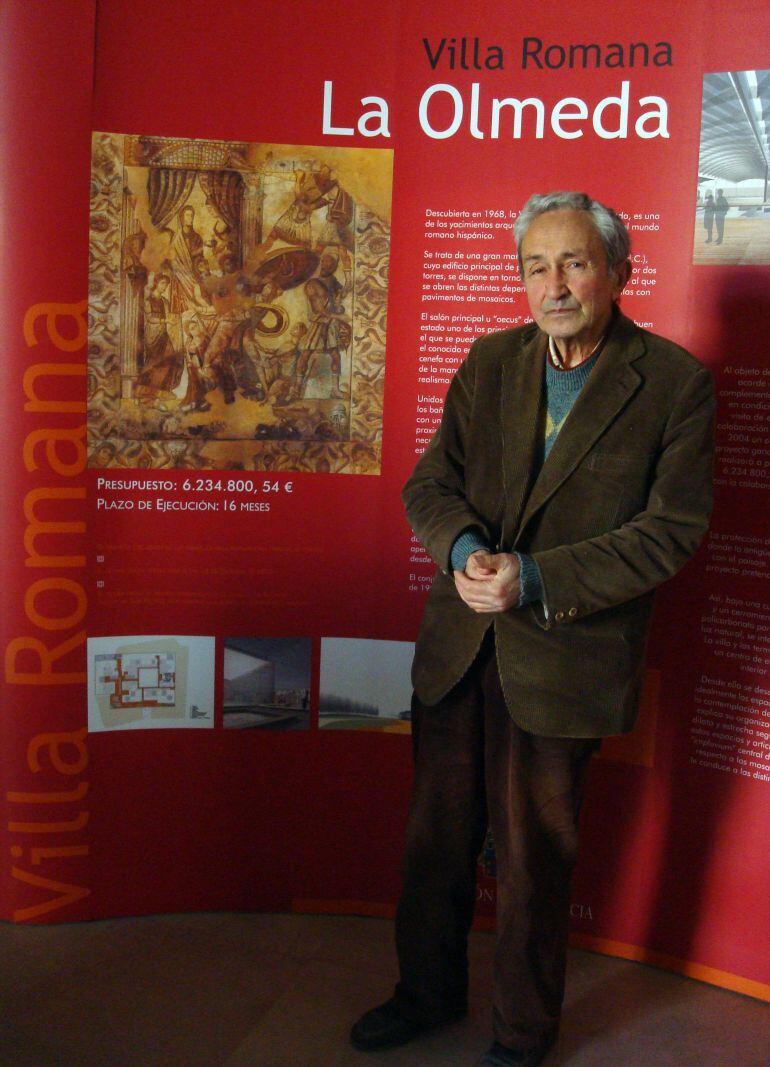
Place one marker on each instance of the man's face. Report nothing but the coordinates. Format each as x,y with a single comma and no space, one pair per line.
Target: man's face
569,286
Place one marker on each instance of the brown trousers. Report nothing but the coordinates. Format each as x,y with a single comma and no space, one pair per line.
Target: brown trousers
472,759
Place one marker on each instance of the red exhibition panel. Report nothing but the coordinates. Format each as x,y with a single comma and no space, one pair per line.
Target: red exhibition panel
246,248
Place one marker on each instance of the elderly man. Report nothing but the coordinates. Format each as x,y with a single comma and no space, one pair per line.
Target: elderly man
570,477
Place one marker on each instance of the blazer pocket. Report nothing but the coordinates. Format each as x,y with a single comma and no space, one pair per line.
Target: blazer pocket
629,474
618,462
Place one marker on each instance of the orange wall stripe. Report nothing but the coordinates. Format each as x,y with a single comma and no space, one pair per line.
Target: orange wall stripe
723,979
620,949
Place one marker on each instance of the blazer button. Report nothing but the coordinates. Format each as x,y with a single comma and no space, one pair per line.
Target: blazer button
572,612
559,616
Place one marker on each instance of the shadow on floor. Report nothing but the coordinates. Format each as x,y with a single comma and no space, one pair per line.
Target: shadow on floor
231,990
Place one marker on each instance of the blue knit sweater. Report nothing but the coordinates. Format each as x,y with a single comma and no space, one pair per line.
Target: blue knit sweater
562,388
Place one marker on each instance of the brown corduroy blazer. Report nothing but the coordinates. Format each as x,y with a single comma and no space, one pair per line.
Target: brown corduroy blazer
620,504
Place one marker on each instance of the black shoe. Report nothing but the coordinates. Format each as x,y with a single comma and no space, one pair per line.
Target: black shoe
498,1055
385,1027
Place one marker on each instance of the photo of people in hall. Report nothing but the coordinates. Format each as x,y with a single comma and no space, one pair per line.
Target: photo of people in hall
732,214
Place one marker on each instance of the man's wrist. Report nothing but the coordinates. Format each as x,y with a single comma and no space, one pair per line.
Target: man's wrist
469,541
530,582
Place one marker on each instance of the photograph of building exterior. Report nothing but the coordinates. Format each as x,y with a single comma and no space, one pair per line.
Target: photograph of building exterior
266,683
365,684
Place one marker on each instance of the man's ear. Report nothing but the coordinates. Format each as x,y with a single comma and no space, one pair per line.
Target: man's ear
622,274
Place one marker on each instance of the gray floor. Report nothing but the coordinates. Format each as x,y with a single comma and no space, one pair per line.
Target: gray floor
282,990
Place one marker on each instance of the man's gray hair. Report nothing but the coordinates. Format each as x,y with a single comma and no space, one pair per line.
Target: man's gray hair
610,227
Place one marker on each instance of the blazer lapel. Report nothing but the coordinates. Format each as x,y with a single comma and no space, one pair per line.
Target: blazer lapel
610,386
520,401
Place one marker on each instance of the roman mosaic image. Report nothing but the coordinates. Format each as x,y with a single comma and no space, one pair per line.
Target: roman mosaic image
237,305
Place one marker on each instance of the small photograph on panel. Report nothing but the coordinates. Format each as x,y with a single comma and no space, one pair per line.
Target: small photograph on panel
150,682
732,210
266,683
365,684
